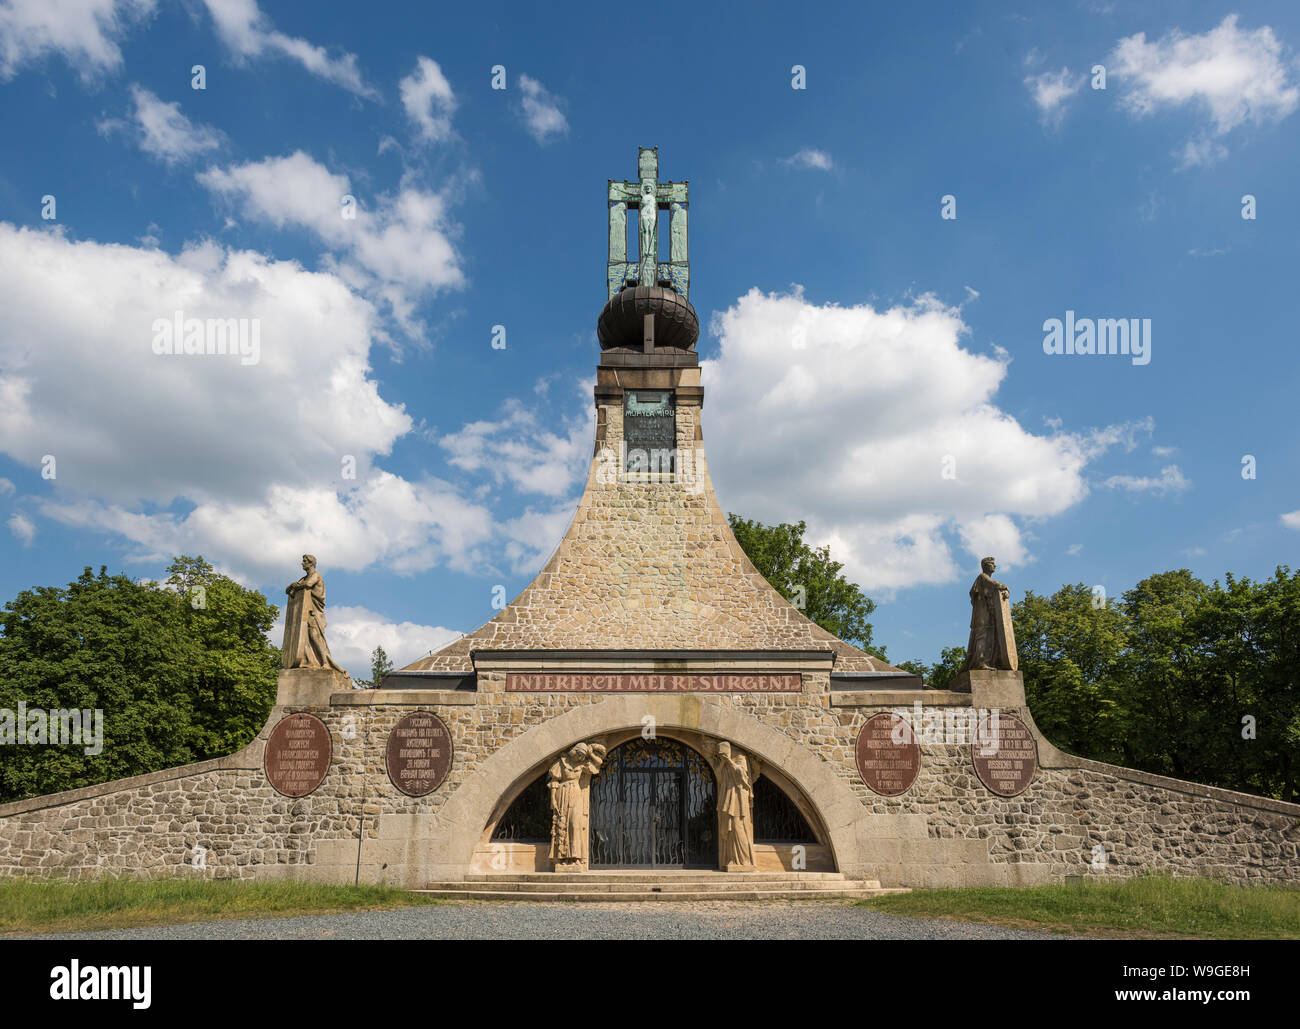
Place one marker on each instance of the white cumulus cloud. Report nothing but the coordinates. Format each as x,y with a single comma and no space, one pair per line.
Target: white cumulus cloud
22,527
879,429
1170,480
246,463
1050,90
516,449
85,32
1230,74
248,32
540,110
399,249
165,133
429,101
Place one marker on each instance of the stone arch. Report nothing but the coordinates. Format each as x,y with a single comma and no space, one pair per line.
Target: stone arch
692,738
483,797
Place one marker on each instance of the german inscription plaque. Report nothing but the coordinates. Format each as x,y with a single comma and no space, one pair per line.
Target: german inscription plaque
419,753
1006,763
297,755
889,758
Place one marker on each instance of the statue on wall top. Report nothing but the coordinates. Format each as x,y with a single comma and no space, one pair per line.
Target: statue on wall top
304,622
992,643
570,788
736,776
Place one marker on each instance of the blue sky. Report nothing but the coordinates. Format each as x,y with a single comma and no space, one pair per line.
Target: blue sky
817,209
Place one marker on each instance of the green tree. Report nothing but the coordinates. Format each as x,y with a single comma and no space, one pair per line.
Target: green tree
379,666
938,675
808,578
1248,645
181,670
1070,646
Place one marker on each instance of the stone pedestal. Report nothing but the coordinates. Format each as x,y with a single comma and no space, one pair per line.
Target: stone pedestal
309,687
991,687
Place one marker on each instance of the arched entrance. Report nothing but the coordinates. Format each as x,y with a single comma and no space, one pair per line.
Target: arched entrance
654,805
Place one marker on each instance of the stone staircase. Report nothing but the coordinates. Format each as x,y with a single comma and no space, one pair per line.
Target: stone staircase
682,886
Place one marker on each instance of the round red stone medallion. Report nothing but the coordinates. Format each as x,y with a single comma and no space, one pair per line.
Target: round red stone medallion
889,758
419,753
297,755
1006,763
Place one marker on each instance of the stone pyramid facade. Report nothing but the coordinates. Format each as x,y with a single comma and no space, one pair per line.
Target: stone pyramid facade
649,562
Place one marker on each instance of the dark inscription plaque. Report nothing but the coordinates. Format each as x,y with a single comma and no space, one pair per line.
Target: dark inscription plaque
583,682
1008,770
419,753
297,755
650,431
889,758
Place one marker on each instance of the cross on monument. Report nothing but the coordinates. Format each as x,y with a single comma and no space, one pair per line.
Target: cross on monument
648,196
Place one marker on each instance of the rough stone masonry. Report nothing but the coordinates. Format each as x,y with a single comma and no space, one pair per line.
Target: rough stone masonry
649,585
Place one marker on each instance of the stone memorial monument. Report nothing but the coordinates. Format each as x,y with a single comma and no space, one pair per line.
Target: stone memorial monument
738,740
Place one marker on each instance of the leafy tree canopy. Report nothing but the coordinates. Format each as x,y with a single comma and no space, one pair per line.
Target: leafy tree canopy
181,670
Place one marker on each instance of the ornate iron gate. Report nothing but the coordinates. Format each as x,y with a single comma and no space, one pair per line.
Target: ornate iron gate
654,805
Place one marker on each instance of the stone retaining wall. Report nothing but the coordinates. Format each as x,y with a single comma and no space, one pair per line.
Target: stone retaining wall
222,819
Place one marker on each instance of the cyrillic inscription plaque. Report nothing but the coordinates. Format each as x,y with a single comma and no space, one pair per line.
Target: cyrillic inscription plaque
586,682
419,753
889,758
1006,763
297,755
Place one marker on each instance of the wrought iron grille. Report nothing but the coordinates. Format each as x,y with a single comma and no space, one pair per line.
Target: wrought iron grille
529,817
654,804
776,818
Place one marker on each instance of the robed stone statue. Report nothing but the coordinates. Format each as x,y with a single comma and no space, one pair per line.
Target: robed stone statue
992,643
736,776
304,622
570,786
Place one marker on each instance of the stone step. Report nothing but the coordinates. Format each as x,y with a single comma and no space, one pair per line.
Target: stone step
655,875
576,894
651,885
655,886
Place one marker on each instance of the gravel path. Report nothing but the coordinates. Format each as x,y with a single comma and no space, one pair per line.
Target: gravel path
820,920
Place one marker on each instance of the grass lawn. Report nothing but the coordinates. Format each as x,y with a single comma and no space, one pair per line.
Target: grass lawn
31,907
1145,907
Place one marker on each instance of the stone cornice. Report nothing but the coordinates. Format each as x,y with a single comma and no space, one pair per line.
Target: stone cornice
661,661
